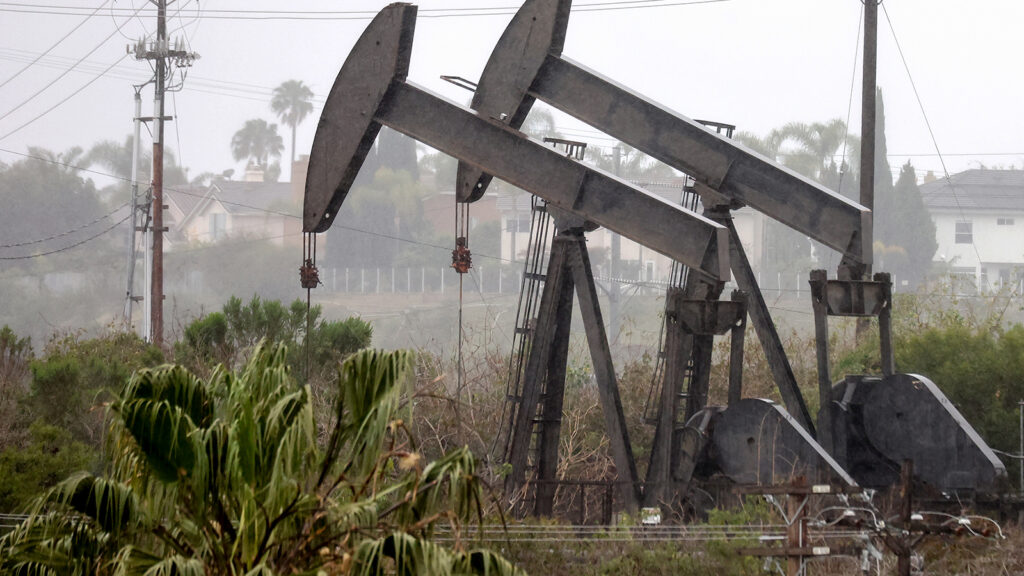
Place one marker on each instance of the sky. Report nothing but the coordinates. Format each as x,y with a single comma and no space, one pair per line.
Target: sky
757,64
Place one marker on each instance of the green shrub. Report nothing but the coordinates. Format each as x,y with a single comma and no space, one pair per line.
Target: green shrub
49,457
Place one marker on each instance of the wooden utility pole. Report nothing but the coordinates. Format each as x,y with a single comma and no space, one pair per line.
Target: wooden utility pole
157,287
867,137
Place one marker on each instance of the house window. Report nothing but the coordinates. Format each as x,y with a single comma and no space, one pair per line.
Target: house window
964,233
218,226
1004,221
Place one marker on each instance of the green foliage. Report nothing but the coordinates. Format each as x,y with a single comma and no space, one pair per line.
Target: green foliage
904,232
15,356
76,374
48,457
224,476
257,141
41,196
292,102
227,336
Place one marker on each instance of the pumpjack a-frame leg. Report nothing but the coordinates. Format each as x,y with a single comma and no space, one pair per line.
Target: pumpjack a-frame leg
693,316
543,390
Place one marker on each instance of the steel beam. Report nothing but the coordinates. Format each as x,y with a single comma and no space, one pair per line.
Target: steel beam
370,91
553,396
534,45
537,362
761,318
604,373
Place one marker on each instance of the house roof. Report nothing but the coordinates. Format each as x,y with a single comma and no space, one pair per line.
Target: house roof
976,189
249,197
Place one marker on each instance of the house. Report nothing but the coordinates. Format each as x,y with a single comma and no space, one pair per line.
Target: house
249,209
979,224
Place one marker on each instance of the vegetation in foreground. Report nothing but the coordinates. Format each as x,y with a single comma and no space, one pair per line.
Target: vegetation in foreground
224,476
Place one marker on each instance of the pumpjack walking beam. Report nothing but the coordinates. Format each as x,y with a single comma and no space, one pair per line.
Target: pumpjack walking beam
527,65
371,91
544,379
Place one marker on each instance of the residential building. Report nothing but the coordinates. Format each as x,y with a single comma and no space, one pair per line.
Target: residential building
979,224
249,209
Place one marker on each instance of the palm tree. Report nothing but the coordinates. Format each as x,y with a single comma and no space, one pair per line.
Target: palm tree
257,141
292,103
225,476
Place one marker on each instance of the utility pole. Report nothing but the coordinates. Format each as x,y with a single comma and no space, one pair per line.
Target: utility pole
868,110
129,301
157,287
165,60
867,140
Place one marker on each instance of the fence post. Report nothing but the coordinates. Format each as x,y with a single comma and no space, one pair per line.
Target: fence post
442,281
362,280
376,288
392,279
423,280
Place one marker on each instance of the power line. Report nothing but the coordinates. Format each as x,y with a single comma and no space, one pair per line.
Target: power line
66,72
928,124
55,44
68,97
66,248
362,15
66,232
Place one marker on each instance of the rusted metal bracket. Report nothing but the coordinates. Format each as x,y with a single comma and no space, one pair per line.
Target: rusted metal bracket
527,65
371,91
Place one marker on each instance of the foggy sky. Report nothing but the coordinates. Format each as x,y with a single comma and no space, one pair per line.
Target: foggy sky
754,63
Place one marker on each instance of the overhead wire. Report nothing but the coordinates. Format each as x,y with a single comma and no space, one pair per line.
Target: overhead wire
65,73
62,101
55,44
928,124
66,232
66,248
319,15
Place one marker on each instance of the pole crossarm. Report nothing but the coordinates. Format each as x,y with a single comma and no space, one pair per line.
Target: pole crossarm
526,65
371,91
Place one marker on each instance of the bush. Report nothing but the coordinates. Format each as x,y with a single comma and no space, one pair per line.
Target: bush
48,458
226,337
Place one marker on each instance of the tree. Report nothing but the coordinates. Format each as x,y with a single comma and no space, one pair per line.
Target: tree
292,102
116,158
43,196
257,141
904,232
224,476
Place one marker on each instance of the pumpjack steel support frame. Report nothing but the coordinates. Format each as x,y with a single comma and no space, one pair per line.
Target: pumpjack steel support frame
371,91
568,271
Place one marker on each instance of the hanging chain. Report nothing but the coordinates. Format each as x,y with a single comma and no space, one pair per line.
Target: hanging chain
309,277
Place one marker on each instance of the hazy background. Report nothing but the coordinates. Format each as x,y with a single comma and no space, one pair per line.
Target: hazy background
752,63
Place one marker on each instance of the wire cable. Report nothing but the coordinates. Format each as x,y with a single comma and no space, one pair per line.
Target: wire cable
66,232
68,97
66,248
66,72
363,15
931,133
55,44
